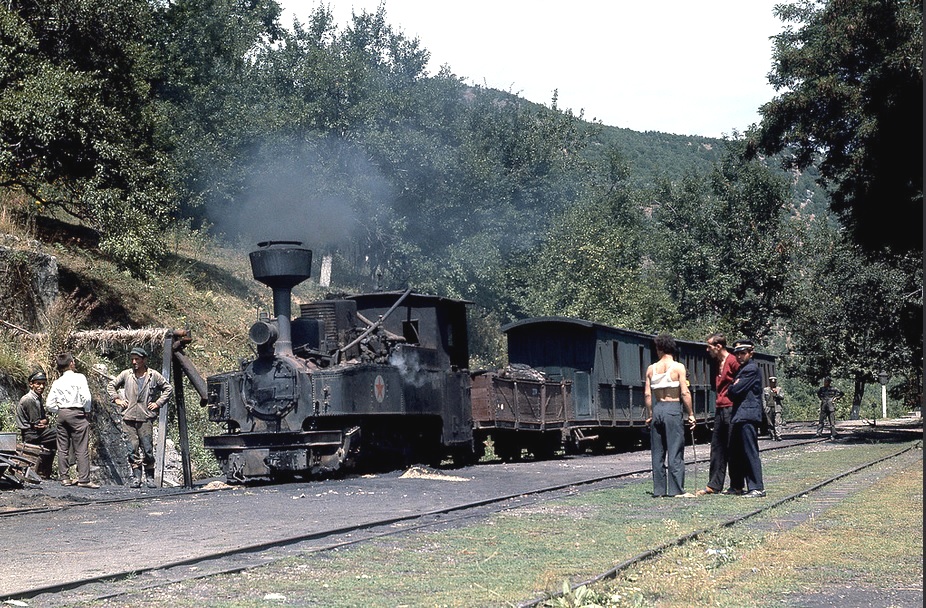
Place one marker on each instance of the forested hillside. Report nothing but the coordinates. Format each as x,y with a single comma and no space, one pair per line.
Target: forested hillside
147,123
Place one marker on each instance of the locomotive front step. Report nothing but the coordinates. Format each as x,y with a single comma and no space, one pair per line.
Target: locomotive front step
307,453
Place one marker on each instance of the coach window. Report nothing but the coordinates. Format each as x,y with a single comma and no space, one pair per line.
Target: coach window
410,331
615,345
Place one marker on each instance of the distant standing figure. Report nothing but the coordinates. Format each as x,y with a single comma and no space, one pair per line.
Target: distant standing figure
666,396
828,396
772,396
746,394
33,424
727,366
69,397
146,392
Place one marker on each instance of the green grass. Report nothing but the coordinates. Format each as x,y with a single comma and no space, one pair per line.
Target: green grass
872,540
516,554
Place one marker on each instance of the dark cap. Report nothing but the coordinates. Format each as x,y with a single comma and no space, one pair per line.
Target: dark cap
139,351
743,345
38,376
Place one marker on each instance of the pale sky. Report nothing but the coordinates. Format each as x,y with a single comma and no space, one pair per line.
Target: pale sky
690,67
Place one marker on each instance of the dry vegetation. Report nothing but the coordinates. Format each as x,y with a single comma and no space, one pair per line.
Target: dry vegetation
203,287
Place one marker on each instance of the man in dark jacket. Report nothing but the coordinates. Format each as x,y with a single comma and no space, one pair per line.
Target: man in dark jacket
746,394
32,422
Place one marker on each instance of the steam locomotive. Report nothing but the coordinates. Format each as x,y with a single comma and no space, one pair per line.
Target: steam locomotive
381,380
376,380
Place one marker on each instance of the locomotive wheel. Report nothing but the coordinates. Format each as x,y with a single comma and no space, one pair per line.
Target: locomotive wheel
463,456
545,446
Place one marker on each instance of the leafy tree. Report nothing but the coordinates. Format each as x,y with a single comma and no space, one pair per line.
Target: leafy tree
851,82
210,94
77,126
592,266
844,311
720,238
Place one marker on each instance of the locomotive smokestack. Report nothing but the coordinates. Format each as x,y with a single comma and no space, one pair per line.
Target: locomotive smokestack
281,265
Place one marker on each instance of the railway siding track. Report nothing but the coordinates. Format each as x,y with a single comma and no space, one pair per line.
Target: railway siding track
811,501
235,557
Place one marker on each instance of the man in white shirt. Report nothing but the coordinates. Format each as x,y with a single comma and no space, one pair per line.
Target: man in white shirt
69,397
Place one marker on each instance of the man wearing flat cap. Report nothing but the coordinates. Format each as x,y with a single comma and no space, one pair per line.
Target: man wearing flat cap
144,392
828,395
746,394
772,397
33,425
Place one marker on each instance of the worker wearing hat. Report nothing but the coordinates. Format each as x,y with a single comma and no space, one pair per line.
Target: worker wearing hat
828,395
772,396
141,393
33,424
746,394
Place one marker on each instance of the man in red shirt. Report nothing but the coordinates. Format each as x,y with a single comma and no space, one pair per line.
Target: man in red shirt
727,366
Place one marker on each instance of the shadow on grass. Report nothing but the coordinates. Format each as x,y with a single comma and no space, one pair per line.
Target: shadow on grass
208,276
110,310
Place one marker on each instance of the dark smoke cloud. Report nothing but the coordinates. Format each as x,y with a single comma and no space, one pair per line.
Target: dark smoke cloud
321,194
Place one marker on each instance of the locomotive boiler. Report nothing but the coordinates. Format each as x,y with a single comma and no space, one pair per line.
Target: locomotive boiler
374,380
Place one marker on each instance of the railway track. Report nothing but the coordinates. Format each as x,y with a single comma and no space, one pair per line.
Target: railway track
249,555
818,496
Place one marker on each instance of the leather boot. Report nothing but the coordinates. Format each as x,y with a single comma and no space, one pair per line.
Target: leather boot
149,473
136,478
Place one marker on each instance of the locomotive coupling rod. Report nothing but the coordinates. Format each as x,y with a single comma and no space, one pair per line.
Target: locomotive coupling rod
371,328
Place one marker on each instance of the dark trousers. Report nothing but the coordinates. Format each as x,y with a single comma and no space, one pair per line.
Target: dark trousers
141,435
48,439
745,466
667,442
827,414
720,445
74,432
773,415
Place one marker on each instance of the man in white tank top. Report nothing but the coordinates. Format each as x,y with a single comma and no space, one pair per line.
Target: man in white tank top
668,401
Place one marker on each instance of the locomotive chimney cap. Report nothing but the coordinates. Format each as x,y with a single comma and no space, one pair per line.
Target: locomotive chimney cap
281,264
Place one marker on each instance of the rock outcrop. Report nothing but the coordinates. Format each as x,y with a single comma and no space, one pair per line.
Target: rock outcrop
28,281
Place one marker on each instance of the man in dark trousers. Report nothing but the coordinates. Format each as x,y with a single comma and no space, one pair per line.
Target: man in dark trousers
746,394
772,396
828,396
727,366
144,392
69,397
33,425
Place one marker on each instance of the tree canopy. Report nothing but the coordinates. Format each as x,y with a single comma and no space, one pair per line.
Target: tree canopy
850,79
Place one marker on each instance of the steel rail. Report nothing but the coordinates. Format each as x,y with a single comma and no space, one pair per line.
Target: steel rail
184,493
